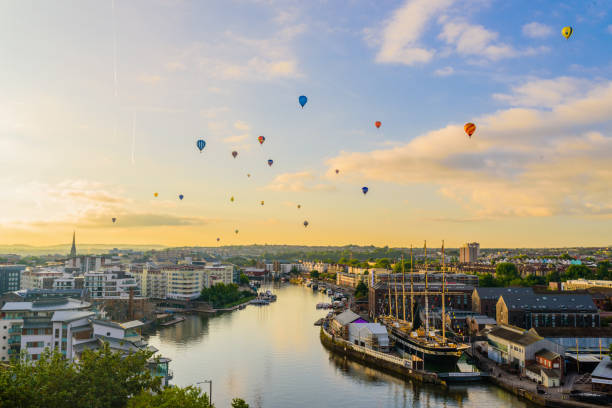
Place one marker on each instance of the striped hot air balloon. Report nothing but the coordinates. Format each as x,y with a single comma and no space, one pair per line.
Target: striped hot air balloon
469,128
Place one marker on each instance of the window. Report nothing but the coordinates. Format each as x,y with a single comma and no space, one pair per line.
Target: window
108,334
56,333
64,332
34,356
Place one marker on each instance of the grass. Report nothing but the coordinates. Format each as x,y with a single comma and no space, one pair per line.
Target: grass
237,302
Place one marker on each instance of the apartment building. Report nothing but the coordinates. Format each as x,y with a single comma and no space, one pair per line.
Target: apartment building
110,283
32,326
40,278
10,277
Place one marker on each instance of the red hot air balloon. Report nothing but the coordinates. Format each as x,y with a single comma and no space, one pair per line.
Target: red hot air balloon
469,128
261,139
234,153
377,123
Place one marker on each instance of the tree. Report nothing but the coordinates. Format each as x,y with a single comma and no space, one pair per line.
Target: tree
169,397
244,280
314,274
384,263
576,272
361,290
239,403
566,257
487,281
506,272
603,270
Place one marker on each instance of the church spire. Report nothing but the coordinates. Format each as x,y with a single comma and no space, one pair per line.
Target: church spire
73,249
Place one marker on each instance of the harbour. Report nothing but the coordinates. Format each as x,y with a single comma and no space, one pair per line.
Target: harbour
272,356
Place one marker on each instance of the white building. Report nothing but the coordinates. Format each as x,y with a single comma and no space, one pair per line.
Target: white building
110,283
369,335
217,273
40,278
152,281
184,282
31,326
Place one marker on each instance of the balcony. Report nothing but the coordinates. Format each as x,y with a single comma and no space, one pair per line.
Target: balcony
14,340
15,330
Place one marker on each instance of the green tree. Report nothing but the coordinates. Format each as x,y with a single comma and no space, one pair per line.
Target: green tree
170,397
383,263
244,280
239,403
314,274
361,290
505,272
487,280
603,270
576,272
566,257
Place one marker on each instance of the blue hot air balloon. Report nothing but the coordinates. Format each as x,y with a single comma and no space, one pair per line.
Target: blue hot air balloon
201,143
365,190
180,196
303,100
270,162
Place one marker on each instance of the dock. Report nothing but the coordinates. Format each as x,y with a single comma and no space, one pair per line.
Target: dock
173,321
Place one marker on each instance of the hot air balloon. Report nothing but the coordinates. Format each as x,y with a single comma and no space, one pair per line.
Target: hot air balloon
114,219
249,175
201,144
377,123
181,196
302,99
567,32
365,190
469,128
261,139
299,206
337,171
218,239
262,203
305,223
232,199
155,194
236,231
234,153
270,162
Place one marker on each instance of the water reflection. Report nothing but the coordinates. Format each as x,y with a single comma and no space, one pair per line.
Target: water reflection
272,357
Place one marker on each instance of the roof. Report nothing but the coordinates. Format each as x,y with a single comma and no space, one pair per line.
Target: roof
346,317
70,315
495,293
574,332
374,328
125,326
519,336
547,354
45,305
557,302
603,369
36,323
479,319
132,324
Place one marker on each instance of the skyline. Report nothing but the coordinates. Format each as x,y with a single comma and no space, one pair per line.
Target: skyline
90,131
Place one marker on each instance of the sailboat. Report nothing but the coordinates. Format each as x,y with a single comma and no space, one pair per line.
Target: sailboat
416,338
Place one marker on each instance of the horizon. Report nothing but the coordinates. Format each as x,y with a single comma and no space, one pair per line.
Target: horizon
104,104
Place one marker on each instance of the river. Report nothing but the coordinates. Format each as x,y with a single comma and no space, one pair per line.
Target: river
271,357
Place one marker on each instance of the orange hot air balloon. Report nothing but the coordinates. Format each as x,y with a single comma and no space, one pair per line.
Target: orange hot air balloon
377,123
155,194
469,128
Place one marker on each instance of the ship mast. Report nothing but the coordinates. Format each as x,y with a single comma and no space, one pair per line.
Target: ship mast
443,300
426,294
403,291
389,286
395,287
411,293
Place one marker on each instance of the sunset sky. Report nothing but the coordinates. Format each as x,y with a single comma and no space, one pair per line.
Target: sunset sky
102,103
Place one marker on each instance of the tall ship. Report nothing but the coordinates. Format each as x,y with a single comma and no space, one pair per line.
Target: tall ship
415,336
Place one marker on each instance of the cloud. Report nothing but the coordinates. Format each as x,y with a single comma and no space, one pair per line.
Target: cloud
547,92
609,28
401,37
149,78
522,161
298,182
401,34
236,138
537,30
446,71
241,125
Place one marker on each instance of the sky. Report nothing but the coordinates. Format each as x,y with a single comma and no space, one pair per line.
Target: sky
102,102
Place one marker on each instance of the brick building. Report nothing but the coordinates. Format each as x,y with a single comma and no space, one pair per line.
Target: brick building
484,300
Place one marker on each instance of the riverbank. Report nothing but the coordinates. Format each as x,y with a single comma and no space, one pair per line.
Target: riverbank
526,389
232,306
388,363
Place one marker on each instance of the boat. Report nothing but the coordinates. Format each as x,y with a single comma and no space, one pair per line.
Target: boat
425,342
330,292
260,302
315,286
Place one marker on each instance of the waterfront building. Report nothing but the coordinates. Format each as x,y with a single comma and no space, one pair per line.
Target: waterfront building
40,278
10,277
84,263
516,346
350,280
579,284
340,323
601,377
152,281
373,336
110,283
484,300
544,310
31,325
469,252
185,282
217,273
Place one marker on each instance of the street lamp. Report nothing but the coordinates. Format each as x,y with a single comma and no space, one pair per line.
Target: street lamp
210,389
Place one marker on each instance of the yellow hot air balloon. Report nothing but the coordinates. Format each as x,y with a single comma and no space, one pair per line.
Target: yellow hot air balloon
232,199
469,128
155,194
262,203
567,32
